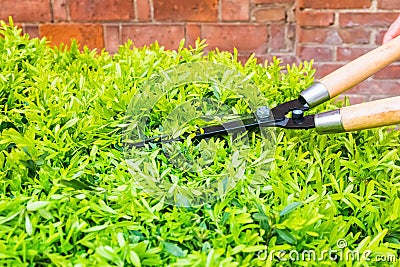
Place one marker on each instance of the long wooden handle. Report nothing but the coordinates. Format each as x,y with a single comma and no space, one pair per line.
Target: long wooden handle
361,68
371,114
359,117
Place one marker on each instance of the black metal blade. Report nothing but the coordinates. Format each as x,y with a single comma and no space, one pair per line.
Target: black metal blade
277,119
246,123
279,112
306,122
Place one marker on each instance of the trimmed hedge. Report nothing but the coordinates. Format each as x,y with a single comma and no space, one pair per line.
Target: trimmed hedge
68,199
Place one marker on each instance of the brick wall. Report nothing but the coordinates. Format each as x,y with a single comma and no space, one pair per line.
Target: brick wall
331,32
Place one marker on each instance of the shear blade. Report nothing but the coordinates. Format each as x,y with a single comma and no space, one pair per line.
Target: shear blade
277,118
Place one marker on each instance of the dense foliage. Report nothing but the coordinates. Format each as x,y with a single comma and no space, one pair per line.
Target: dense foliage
68,199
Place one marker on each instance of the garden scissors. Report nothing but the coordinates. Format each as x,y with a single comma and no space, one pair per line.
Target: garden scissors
290,115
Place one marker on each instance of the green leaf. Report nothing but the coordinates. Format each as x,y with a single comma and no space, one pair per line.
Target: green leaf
134,258
289,208
379,237
77,184
237,249
285,235
96,228
260,217
69,124
254,248
36,205
28,225
107,252
106,208
173,249
9,217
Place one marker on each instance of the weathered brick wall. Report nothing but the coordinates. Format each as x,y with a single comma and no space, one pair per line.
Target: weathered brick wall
331,32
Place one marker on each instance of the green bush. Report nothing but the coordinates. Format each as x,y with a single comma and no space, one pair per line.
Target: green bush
68,199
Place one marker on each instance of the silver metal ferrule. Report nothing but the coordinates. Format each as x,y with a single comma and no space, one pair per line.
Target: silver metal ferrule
329,122
315,94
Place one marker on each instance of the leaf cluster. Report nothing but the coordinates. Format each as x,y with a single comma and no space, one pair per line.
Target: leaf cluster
67,197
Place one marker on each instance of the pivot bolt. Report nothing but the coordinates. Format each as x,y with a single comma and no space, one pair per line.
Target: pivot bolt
263,112
297,115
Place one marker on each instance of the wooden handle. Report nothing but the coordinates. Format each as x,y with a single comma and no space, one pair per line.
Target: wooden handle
361,68
371,114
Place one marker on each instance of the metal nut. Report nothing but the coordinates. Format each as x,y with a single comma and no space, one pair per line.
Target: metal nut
263,112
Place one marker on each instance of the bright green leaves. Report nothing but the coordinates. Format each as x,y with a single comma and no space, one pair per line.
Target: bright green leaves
67,198
36,205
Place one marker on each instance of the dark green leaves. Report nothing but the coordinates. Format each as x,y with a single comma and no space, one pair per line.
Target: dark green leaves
289,208
286,236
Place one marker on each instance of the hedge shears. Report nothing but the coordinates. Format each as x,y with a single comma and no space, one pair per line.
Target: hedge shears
290,115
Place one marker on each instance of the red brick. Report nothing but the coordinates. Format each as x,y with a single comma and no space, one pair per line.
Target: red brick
315,18
60,12
185,10
291,31
285,58
388,4
101,10
313,35
226,37
323,69
25,11
355,35
235,10
364,19
334,4
278,42
288,2
31,30
377,87
355,99
143,10
350,53
283,37
389,72
379,36
193,32
269,14
378,97
90,35
318,53
166,35
111,38
265,58
320,35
